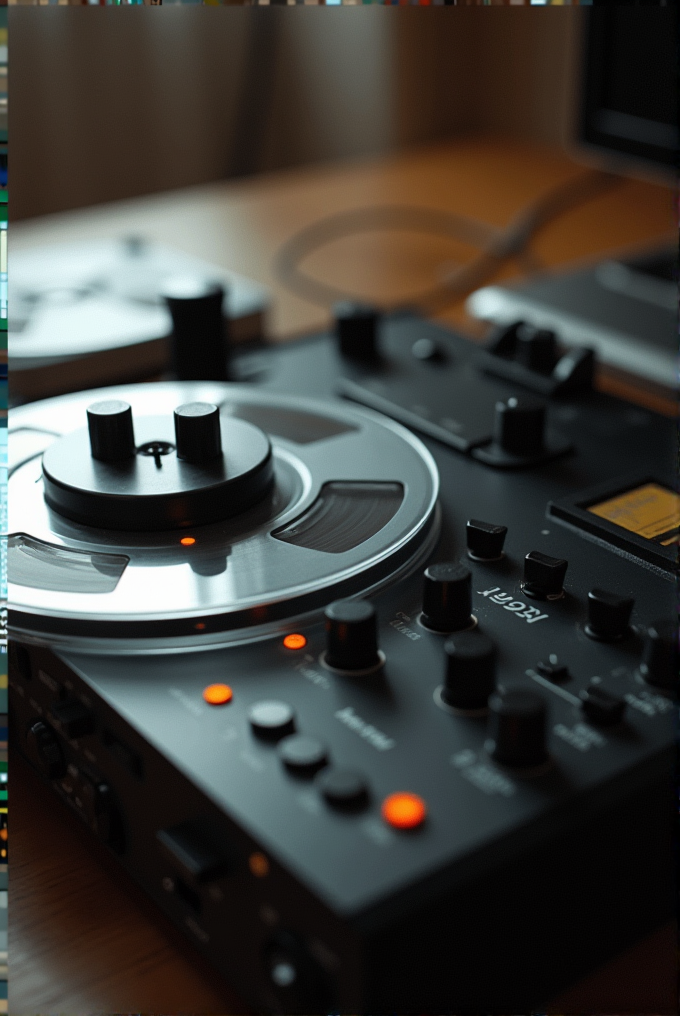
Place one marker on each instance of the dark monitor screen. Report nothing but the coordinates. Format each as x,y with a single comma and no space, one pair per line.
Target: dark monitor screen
629,101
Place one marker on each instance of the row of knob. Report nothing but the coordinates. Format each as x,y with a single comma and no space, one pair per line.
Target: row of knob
199,353
517,721
356,329
543,577
608,613
112,438
516,736
519,428
303,755
352,640
198,342
196,308
447,595
516,718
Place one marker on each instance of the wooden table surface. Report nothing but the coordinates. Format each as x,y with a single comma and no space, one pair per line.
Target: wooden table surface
241,225
83,937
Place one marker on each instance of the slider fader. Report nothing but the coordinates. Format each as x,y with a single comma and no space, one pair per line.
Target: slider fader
365,671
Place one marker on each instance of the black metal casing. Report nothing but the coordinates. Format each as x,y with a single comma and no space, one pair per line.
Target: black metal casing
517,883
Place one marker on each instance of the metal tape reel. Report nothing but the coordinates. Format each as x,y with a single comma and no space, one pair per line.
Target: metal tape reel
353,507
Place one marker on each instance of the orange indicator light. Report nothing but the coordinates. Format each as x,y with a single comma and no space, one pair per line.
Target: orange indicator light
187,541
259,865
404,810
218,694
295,641
199,626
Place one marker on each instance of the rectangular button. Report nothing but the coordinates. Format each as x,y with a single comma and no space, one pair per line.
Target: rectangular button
189,848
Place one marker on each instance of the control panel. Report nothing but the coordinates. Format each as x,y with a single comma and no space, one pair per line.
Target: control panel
442,784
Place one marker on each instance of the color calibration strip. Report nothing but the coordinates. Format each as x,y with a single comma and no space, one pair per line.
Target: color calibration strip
414,3
4,829
305,3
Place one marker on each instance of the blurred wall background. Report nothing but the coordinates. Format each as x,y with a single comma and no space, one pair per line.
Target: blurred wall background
111,103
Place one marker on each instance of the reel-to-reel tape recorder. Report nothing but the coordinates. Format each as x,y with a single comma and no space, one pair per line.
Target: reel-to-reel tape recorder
382,721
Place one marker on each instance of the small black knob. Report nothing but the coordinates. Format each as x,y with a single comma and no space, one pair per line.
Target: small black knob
297,980
447,597
470,670
46,749
608,615
198,343
484,540
303,755
659,664
543,576
197,432
428,351
343,788
112,436
601,707
351,635
519,426
517,728
271,719
535,348
356,327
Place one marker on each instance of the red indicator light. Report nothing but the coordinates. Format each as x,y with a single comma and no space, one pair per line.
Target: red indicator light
295,641
187,541
218,694
404,810
259,865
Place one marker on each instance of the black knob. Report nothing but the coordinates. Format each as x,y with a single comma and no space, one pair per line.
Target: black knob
198,342
46,749
356,327
271,719
428,351
112,436
543,576
535,348
303,755
470,670
659,664
519,426
351,635
299,983
343,788
447,597
517,728
608,615
484,540
601,707
197,432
